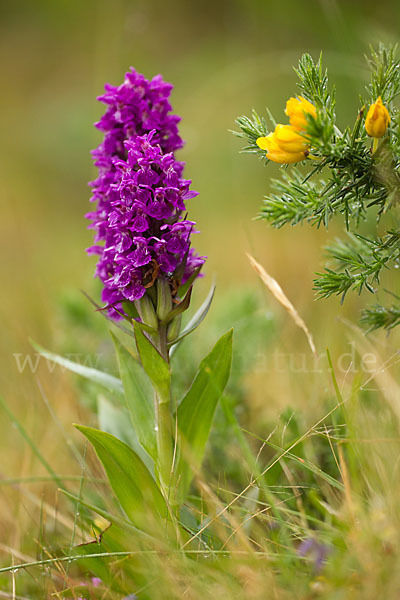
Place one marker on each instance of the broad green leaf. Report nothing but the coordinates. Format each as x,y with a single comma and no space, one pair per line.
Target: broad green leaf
154,365
196,411
197,318
116,420
104,379
139,397
131,481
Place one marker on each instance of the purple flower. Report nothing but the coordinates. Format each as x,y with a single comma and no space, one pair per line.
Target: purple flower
139,223
141,255
177,236
316,550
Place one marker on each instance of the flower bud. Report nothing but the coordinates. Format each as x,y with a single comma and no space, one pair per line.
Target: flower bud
297,109
279,155
146,311
174,328
377,119
164,299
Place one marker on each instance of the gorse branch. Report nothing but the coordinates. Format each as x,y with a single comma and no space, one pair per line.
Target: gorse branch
360,262
352,173
294,200
377,317
385,73
251,128
313,83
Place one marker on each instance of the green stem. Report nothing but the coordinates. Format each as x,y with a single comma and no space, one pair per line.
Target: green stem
163,424
164,444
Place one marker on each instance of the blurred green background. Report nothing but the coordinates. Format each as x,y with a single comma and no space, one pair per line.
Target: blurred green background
224,58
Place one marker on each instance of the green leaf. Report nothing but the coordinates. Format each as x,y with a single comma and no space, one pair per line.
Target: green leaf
183,288
196,411
197,318
154,365
146,328
138,396
179,308
130,309
131,481
104,379
116,420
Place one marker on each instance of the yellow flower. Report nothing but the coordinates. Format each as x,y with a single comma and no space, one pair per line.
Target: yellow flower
276,153
296,110
377,119
288,139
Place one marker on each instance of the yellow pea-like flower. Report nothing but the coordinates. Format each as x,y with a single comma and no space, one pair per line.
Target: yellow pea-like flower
377,119
275,152
296,110
288,139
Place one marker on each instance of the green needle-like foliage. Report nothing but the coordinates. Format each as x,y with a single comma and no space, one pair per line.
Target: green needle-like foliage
349,176
379,316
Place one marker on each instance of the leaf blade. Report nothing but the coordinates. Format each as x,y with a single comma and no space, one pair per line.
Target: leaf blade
154,365
138,397
197,318
129,478
104,379
196,411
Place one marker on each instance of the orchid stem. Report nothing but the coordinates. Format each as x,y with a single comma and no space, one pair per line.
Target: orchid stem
163,423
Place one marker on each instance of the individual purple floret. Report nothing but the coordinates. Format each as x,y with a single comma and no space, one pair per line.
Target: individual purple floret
140,193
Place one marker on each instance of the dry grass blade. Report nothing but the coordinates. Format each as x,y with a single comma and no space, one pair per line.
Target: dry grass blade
281,297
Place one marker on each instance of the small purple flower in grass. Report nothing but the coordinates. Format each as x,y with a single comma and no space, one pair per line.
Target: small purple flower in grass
140,194
316,550
96,581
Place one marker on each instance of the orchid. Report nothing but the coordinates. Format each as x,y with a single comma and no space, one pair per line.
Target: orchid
140,194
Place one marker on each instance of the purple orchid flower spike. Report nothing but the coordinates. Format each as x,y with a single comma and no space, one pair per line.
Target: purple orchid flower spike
141,233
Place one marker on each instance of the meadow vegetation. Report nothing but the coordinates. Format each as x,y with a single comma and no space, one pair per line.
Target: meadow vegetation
296,495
